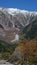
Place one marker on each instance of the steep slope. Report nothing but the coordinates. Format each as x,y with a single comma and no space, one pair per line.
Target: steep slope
15,21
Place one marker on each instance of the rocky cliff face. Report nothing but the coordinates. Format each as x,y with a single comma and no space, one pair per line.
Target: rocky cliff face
15,21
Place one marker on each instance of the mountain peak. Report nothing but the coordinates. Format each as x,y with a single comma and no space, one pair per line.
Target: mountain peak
14,11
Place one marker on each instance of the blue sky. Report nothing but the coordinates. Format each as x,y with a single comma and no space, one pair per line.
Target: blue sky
30,5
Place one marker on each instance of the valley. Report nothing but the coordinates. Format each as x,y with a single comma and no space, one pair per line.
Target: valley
18,37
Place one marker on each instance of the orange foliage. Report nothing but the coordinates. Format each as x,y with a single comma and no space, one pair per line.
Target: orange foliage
29,48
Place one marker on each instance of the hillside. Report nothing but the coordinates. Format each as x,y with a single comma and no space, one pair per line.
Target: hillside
18,36
15,21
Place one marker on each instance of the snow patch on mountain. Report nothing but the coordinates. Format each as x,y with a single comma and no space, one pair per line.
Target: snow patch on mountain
14,11
16,38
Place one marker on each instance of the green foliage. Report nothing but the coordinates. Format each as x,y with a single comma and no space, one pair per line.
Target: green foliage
22,38
6,49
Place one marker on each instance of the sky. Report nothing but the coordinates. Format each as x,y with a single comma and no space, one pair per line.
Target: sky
30,5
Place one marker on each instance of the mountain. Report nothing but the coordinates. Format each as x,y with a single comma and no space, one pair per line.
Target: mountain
18,36
16,21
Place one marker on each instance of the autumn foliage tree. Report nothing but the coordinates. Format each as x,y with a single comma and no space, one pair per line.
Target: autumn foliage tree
27,51
31,51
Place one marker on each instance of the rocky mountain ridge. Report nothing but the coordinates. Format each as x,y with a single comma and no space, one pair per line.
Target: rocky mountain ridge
16,21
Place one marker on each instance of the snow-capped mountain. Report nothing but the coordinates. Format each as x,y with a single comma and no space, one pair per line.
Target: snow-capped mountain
16,21
12,10
16,11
